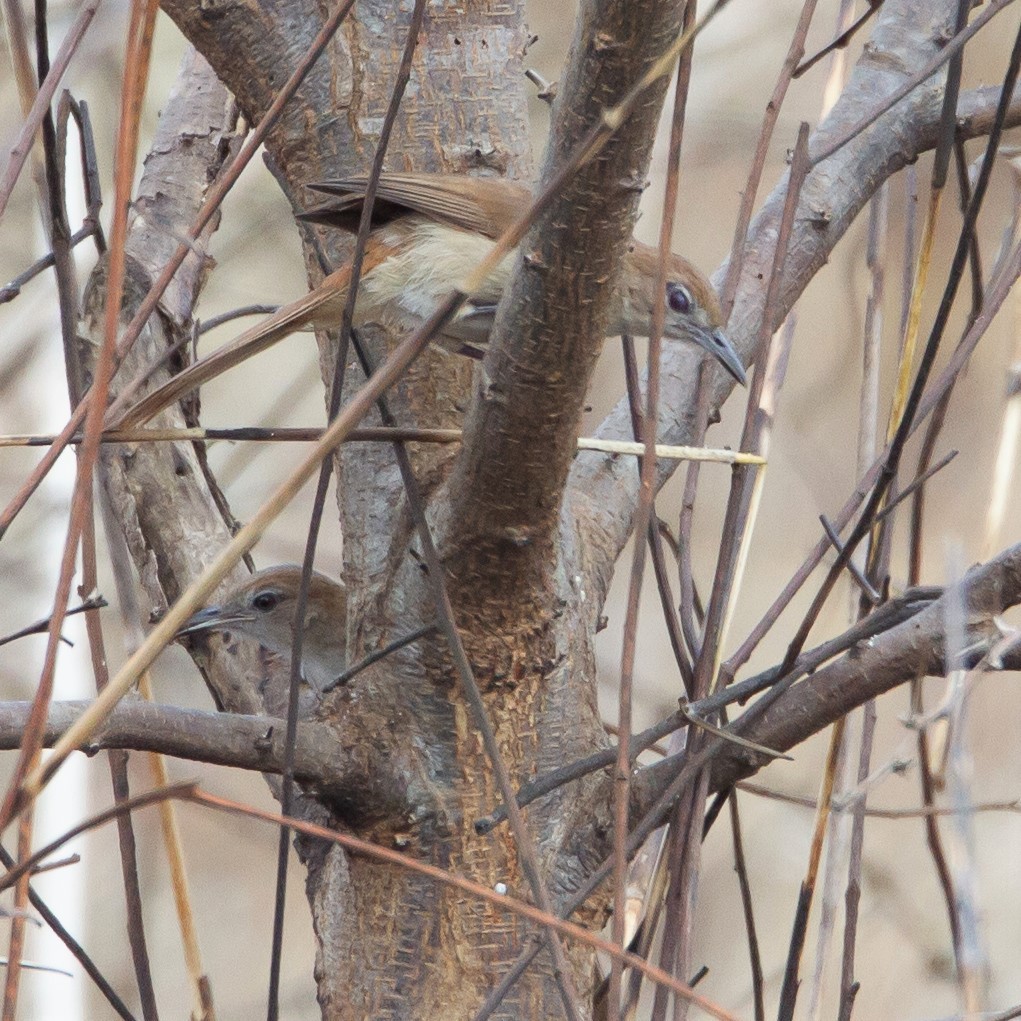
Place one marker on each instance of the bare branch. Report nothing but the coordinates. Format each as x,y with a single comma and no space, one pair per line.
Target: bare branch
907,34
912,649
505,493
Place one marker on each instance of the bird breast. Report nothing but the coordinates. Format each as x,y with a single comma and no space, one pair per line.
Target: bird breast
429,260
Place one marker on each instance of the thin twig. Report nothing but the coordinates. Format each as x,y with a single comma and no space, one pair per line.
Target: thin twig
655,540
547,91
892,814
841,40
938,419
136,74
691,611
789,990
868,422
244,434
25,867
852,895
645,525
915,485
741,868
13,15
235,313
91,178
12,288
371,434
118,764
676,905
732,738
41,626
47,90
964,197
1006,450
852,568
374,657
202,987
972,959
795,52
54,135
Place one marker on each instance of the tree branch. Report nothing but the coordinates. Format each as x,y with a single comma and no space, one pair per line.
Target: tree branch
506,491
911,649
222,739
166,507
915,648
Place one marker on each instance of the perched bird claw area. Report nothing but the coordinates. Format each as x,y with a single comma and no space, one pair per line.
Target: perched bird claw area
509,511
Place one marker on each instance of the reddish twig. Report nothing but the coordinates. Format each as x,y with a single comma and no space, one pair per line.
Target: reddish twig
644,524
143,14
41,105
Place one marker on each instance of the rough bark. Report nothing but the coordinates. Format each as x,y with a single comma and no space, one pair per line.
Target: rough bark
507,488
380,931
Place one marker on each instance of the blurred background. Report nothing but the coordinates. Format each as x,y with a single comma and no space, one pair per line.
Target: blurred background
905,959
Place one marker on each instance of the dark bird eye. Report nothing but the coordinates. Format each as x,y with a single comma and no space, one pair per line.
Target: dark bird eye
678,297
266,601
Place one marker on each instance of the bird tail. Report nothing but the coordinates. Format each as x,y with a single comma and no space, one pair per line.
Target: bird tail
321,307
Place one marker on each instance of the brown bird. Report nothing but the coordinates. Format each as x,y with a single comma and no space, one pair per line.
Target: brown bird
429,232
262,607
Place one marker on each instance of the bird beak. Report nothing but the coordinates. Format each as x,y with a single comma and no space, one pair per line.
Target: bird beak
209,619
717,344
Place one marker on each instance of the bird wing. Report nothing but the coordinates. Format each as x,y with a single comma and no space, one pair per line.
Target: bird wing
484,204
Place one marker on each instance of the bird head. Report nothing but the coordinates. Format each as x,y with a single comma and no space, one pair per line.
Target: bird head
262,607
692,309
